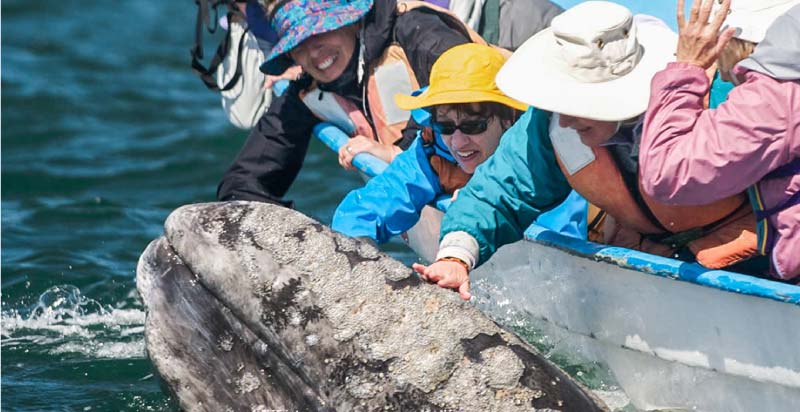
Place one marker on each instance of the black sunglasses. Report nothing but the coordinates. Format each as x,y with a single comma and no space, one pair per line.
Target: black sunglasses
466,127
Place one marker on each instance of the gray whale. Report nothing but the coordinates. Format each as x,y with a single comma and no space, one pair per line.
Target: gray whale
255,307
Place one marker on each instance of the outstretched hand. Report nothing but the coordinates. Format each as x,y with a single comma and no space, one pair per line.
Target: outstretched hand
700,41
446,274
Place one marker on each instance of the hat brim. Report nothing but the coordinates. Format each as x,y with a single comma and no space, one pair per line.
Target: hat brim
536,74
341,15
434,98
753,24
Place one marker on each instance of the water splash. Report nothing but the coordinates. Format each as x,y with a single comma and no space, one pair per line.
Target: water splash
64,321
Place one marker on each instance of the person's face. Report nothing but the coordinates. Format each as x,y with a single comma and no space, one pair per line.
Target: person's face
470,150
593,133
325,56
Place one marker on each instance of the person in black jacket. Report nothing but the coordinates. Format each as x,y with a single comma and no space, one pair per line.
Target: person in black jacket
336,31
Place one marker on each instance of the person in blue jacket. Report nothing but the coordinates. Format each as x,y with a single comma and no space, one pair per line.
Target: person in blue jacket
467,115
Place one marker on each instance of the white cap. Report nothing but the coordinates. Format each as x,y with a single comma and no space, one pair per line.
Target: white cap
753,17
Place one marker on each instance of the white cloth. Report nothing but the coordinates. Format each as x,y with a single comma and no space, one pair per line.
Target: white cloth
460,245
469,11
245,102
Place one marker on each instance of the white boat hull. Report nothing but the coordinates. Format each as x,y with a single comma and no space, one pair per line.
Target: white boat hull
671,342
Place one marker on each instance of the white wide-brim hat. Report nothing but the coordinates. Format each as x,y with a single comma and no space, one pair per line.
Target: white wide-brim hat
752,18
595,61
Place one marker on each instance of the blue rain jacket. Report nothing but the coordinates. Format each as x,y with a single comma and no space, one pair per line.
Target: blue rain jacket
390,203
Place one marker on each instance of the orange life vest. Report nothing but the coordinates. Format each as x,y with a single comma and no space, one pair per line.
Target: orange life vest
718,234
451,176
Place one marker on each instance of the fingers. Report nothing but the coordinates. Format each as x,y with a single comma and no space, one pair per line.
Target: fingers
269,81
705,10
681,15
449,279
463,291
292,73
346,155
345,158
694,12
434,276
723,40
421,270
360,144
722,13
427,273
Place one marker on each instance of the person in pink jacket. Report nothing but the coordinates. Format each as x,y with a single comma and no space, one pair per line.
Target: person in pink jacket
690,155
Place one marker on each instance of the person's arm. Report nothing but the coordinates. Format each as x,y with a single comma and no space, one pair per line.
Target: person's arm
273,154
510,190
689,155
424,36
390,203
504,196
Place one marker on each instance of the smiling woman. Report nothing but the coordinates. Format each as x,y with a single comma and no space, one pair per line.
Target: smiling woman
355,54
472,131
325,56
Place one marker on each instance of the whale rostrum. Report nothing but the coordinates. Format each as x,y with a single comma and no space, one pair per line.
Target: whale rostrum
255,307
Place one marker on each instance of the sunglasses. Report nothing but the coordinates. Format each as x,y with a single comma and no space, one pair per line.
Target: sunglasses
466,127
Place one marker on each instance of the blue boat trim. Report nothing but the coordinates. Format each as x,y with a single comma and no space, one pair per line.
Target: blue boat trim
666,267
279,87
334,138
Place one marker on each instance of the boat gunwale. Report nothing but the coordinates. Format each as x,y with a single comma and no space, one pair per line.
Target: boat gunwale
666,267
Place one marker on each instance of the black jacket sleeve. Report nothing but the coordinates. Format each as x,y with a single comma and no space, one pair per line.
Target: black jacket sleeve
424,36
273,153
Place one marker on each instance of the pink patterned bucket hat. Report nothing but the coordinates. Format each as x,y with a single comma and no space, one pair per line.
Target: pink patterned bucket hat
297,20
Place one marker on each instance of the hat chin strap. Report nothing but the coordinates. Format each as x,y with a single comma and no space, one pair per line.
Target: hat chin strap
361,62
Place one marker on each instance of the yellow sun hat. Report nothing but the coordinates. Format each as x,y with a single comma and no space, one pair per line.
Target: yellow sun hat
463,74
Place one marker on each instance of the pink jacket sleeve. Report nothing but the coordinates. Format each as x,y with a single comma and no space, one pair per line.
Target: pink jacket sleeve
690,155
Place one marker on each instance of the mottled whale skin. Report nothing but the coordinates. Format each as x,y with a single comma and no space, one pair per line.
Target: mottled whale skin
255,307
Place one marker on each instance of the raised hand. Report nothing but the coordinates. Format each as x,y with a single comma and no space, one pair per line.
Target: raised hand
700,41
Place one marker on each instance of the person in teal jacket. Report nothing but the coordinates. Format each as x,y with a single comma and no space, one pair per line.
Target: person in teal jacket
522,180
391,203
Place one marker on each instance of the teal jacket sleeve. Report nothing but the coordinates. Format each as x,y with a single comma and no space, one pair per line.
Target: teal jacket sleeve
511,189
390,203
